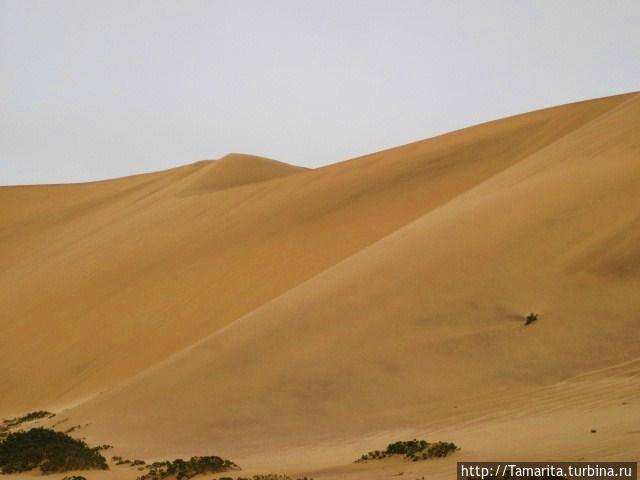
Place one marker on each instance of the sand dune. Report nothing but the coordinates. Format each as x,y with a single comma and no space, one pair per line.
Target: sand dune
235,170
284,316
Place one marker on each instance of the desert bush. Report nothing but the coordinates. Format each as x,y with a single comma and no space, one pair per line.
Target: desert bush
49,450
407,448
29,417
441,449
132,463
10,423
529,319
185,469
412,450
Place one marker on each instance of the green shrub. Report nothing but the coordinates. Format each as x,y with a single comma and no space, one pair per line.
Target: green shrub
441,449
407,448
49,450
412,450
185,469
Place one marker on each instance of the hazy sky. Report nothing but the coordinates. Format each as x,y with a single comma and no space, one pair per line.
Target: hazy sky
91,90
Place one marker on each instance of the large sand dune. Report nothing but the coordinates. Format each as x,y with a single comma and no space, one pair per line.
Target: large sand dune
297,318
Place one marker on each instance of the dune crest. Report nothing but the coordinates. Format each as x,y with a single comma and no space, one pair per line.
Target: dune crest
235,170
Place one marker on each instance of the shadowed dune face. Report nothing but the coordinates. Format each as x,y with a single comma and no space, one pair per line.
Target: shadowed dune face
230,301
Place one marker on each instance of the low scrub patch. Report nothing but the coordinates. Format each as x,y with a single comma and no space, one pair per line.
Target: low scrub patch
10,423
133,463
412,450
529,319
48,450
185,469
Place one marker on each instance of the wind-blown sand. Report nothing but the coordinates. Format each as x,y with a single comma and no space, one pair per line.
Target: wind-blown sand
293,319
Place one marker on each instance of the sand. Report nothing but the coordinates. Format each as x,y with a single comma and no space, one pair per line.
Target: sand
293,319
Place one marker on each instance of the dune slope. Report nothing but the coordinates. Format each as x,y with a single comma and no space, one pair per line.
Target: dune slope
324,305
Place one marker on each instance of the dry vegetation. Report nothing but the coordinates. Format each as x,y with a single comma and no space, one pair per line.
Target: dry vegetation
413,450
185,469
48,450
8,424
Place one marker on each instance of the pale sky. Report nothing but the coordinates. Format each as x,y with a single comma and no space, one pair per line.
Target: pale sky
99,89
